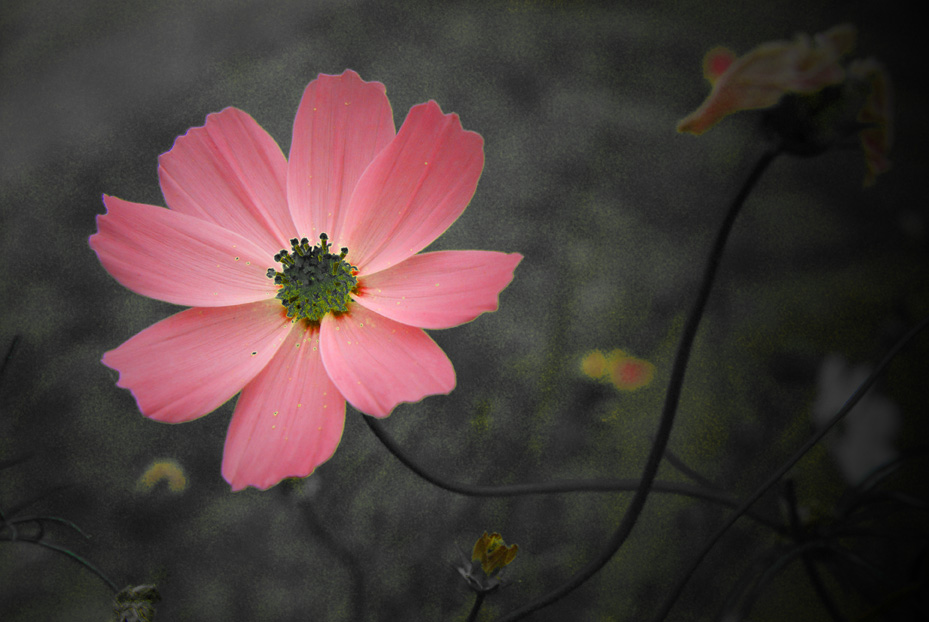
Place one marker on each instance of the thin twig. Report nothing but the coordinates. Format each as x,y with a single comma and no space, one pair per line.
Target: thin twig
9,355
686,470
79,560
668,604
19,520
816,580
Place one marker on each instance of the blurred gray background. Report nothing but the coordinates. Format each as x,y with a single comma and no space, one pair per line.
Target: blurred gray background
585,175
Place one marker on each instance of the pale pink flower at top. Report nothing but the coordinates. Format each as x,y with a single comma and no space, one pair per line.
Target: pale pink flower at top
296,328
760,78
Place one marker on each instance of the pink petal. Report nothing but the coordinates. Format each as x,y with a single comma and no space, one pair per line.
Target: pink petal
341,124
230,172
177,258
288,420
439,290
414,190
191,363
377,363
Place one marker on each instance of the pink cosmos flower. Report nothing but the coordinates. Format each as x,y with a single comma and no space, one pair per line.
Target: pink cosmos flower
248,241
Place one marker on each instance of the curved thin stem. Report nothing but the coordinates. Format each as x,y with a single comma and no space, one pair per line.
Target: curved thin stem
685,469
9,355
558,486
771,572
672,397
16,509
8,462
668,604
79,560
19,520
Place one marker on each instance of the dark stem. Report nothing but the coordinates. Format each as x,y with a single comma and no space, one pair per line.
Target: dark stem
16,509
685,469
672,397
668,604
477,606
559,486
79,560
771,573
796,526
19,520
9,355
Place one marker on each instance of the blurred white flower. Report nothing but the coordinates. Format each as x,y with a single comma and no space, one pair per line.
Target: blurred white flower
864,439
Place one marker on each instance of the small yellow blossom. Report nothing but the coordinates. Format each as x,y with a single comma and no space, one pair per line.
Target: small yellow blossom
490,555
136,603
493,553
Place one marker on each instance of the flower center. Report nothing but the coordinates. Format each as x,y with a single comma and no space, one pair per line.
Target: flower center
314,281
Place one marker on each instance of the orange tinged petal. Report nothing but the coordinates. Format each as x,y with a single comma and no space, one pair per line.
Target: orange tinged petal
760,78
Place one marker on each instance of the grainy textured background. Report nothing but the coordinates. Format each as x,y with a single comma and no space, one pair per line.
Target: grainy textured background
584,175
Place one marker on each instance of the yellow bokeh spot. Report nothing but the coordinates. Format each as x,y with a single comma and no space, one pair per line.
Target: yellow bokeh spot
619,368
167,470
593,364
